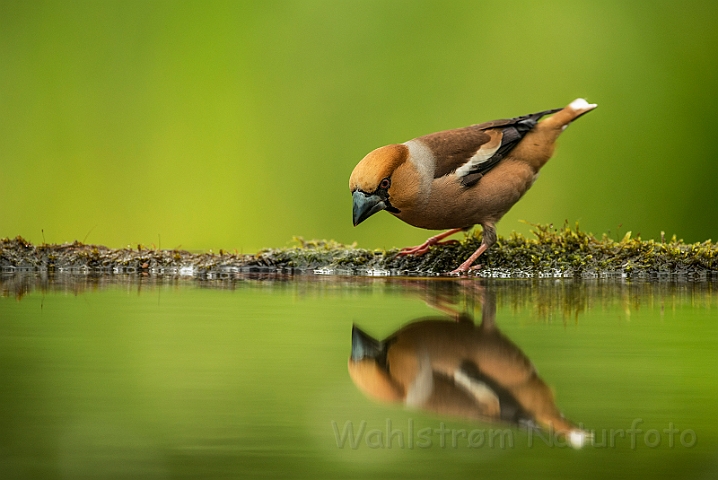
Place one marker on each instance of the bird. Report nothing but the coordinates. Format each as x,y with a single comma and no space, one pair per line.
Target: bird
455,179
451,366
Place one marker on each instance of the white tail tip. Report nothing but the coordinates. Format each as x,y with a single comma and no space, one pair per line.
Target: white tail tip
581,105
578,438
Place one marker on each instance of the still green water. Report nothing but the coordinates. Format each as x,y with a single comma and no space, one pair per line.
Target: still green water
248,378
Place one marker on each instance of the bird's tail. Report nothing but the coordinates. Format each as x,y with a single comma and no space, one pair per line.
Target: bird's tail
544,134
525,123
568,114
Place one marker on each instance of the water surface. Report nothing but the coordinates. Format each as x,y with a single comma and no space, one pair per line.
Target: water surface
138,377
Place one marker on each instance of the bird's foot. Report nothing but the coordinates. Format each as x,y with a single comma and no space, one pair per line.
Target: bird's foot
467,265
418,250
424,247
463,268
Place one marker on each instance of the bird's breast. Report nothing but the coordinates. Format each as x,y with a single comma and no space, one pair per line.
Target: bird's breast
444,203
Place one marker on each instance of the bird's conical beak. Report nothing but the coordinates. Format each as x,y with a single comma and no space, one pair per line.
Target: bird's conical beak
364,346
365,206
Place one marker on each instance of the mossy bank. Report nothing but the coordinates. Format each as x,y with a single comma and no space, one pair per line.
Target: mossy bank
547,252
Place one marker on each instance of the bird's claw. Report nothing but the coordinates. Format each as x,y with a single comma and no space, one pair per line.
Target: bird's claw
465,269
418,250
424,247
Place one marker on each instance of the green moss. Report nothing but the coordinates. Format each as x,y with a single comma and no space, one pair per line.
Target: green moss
549,252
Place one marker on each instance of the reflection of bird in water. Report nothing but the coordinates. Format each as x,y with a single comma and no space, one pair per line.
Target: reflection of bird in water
458,368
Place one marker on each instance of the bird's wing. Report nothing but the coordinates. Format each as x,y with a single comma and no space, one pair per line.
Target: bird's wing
470,152
484,388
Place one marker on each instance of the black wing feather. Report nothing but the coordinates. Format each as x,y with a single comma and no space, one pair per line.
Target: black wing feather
513,131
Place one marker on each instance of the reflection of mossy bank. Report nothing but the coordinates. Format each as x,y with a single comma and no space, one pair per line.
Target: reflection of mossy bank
564,252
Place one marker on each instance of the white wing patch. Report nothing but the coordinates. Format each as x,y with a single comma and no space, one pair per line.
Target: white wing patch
484,153
479,390
423,385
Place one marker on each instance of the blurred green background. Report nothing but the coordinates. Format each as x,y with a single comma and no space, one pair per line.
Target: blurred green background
237,124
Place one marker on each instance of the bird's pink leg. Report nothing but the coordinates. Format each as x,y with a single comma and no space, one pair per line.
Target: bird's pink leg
466,266
489,238
424,247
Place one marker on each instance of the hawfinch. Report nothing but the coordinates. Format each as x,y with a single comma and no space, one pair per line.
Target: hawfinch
458,178
459,369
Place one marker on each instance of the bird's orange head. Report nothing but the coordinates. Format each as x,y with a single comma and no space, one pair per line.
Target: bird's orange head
368,370
370,182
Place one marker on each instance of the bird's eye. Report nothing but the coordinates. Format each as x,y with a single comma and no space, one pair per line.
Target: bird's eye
386,183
